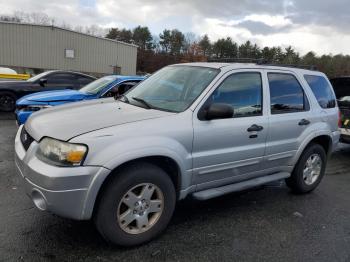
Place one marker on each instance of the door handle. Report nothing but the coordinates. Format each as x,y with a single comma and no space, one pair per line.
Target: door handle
304,122
255,128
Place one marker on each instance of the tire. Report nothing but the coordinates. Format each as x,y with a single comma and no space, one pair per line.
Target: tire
7,101
129,182
301,182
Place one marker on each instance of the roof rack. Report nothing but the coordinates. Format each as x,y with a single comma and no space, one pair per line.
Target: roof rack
235,60
307,67
260,61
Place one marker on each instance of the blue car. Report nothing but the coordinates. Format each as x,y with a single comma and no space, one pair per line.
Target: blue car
108,86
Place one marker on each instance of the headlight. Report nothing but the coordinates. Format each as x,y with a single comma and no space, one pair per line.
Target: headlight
61,153
35,107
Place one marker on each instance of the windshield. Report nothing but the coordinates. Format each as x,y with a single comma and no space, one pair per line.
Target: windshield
96,86
173,88
37,77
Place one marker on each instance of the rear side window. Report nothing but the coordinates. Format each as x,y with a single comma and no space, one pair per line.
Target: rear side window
286,94
322,90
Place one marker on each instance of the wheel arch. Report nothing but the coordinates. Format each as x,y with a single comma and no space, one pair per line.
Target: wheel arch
323,139
166,163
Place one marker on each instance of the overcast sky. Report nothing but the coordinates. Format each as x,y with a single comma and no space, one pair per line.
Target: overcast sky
319,25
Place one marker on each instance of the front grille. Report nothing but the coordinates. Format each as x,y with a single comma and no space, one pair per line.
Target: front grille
26,139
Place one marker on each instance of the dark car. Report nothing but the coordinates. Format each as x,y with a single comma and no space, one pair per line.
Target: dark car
341,86
10,91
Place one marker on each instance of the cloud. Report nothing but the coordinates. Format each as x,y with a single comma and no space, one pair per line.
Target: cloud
260,28
313,24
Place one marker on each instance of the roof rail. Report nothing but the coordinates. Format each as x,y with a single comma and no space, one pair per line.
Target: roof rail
307,67
260,61
235,60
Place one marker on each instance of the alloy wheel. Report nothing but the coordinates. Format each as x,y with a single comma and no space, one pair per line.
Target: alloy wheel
140,208
312,169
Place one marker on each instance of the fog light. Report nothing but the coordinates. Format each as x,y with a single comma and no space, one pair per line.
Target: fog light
39,200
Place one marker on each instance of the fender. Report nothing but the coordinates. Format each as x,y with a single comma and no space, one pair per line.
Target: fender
306,141
137,148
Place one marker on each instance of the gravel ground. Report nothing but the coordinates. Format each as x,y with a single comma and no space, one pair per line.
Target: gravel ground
265,224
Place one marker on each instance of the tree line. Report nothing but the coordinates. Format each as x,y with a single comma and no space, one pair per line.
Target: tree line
173,46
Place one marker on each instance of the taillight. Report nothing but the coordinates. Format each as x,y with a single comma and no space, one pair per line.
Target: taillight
339,119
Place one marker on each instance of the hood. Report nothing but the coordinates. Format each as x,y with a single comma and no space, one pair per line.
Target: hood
71,120
52,96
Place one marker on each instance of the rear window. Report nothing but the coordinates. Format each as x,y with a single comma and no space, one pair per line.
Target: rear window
322,90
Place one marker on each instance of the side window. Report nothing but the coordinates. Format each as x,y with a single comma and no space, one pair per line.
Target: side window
322,90
120,89
83,80
61,78
286,94
127,86
243,91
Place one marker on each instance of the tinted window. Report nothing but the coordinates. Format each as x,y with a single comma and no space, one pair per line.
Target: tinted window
243,91
84,80
286,94
322,90
61,78
120,89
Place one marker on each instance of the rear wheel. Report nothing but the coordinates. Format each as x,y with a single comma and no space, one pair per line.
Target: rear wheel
136,205
309,170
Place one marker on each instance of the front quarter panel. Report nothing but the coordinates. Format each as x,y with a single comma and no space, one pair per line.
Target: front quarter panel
169,136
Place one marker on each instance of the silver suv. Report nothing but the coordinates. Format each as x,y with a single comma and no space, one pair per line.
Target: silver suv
200,129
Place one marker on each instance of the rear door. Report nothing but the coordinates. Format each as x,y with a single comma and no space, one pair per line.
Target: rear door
290,116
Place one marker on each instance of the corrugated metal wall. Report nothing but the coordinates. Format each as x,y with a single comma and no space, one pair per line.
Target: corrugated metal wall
35,46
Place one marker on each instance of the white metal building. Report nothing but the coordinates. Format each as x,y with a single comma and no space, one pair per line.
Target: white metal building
42,47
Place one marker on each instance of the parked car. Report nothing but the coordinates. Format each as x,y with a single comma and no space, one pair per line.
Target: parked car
341,87
107,86
10,91
200,129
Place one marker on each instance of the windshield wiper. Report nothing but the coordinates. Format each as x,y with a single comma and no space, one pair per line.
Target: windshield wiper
143,102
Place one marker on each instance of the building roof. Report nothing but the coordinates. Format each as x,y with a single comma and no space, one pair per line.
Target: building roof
69,30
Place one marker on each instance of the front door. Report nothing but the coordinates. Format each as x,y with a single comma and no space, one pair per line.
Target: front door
231,150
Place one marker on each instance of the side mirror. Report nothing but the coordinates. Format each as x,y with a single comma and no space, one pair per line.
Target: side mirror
43,82
218,111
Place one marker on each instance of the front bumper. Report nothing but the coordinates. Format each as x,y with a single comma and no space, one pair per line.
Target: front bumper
66,191
22,116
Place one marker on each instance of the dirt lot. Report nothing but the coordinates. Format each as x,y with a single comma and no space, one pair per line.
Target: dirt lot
266,224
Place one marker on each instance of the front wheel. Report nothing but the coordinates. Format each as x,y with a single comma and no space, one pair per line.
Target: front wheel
309,170
7,102
136,205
